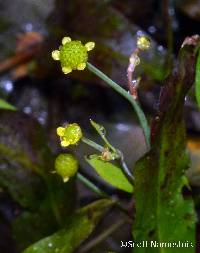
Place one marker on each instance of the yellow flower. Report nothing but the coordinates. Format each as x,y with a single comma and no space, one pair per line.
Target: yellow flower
143,43
72,54
69,135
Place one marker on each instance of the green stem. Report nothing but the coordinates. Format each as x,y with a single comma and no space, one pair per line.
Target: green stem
125,169
101,131
97,190
91,186
98,147
52,201
141,117
108,144
47,181
92,144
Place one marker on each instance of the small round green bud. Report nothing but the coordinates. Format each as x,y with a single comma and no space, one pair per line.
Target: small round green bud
72,54
66,165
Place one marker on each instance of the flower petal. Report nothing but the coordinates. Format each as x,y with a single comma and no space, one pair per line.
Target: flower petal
56,55
66,70
81,66
89,46
65,179
64,143
60,131
66,40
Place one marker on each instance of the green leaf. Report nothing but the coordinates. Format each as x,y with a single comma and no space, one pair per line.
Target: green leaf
163,215
197,80
30,227
5,105
110,173
79,227
26,163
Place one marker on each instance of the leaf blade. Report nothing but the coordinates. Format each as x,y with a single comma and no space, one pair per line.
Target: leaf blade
163,215
7,106
81,224
110,173
197,80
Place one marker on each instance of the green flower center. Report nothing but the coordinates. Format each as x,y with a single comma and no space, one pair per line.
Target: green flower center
72,133
72,54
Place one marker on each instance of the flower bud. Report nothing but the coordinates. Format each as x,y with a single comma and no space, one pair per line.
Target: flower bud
143,43
66,165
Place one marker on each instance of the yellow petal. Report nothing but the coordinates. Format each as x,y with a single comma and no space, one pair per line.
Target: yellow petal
81,66
60,131
64,143
56,55
89,46
66,40
66,70
65,179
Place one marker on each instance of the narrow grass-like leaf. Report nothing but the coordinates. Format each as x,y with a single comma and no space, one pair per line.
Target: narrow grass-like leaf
163,216
5,105
79,227
197,80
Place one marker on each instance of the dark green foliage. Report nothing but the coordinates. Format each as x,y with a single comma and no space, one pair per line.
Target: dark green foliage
78,228
26,164
162,213
197,80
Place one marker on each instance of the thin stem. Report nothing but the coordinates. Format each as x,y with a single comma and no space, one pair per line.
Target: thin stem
123,164
108,143
91,185
125,168
141,117
102,132
100,238
52,201
133,62
92,144
47,181
97,190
